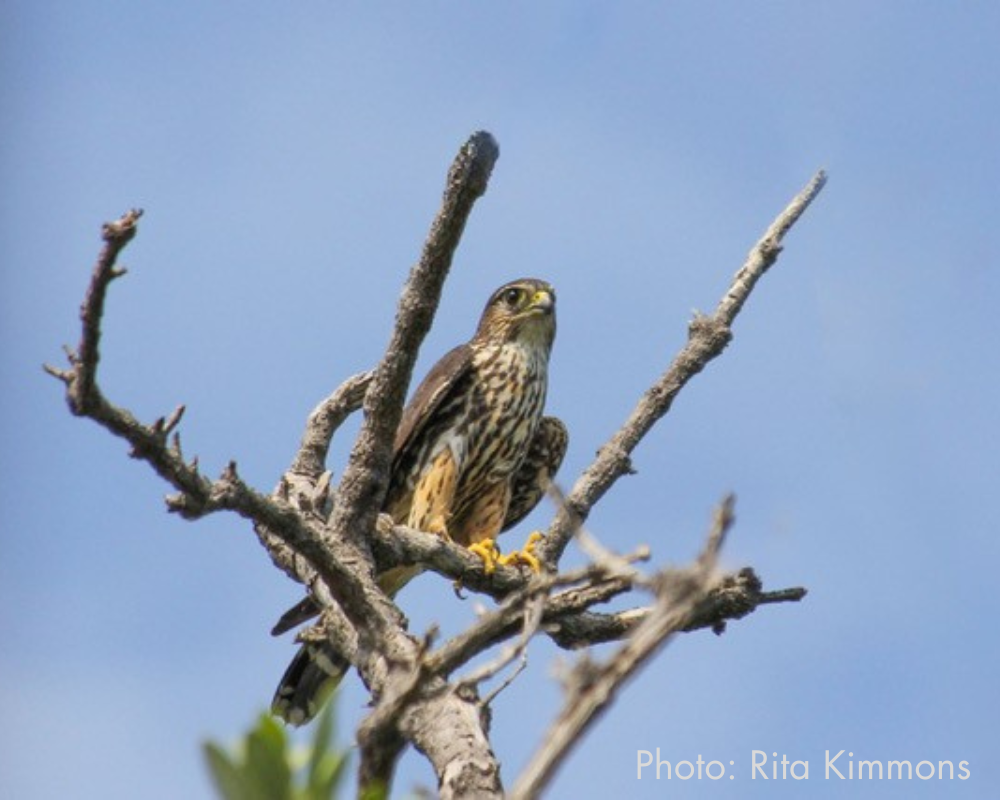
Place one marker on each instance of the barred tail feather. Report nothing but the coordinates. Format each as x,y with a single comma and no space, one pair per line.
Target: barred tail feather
307,684
318,668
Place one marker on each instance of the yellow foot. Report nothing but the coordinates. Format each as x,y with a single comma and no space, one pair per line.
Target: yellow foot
526,555
487,550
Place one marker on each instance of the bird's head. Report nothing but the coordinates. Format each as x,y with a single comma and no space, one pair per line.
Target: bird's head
523,310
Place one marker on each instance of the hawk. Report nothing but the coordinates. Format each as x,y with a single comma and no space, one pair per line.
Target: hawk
472,457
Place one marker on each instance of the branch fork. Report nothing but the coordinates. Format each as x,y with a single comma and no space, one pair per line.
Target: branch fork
331,538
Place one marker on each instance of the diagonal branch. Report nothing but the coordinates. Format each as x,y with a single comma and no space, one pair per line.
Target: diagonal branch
592,687
198,495
707,338
306,484
359,497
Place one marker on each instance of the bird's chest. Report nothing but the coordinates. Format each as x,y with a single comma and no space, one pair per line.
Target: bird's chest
504,408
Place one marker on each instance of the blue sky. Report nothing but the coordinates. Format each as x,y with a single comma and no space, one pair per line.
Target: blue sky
290,158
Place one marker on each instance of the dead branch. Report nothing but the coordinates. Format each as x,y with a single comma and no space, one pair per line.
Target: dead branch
335,551
504,621
332,539
592,686
362,488
323,423
359,496
81,393
707,338
734,597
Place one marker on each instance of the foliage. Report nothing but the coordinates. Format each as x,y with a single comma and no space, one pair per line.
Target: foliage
265,766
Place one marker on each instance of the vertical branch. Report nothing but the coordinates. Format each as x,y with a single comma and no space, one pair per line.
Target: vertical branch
364,482
461,753
81,381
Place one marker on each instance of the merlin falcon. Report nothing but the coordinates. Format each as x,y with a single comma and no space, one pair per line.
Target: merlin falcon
472,457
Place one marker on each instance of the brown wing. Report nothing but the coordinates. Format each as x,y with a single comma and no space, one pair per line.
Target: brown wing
430,394
533,477
425,401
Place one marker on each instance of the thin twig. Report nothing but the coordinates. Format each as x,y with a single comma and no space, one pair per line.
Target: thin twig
611,562
81,379
502,622
531,616
594,686
532,621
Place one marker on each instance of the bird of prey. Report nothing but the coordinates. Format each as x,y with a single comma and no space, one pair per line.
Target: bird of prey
472,457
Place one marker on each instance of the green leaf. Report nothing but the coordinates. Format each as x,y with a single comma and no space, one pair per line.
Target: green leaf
322,739
263,766
326,775
327,765
267,767
376,790
226,775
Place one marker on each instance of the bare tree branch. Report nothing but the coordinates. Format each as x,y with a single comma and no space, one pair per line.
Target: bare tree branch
378,735
84,397
334,541
733,597
198,495
707,338
505,620
335,550
323,422
396,545
362,488
565,622
306,485
532,614
81,394
593,686
359,494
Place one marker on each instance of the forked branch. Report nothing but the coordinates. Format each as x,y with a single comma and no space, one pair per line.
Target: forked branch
331,538
592,686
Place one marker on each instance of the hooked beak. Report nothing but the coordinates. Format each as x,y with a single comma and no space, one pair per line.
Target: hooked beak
543,301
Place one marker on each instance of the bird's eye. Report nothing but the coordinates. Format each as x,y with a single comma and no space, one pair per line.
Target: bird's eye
512,297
